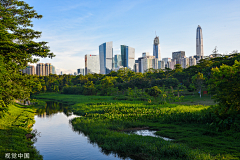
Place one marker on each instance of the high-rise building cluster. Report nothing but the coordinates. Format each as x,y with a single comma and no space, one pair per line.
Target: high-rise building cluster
41,69
105,62
29,70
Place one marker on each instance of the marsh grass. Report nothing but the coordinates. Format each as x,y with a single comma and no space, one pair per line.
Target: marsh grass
194,99
103,118
15,123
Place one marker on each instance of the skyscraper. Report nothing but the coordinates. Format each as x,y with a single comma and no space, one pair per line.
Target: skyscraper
178,55
184,62
40,69
44,69
166,60
48,69
199,42
156,48
30,70
128,56
106,57
92,64
136,67
117,61
53,69
148,62
192,61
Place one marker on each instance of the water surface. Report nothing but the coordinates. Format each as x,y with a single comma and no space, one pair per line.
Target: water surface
147,132
59,141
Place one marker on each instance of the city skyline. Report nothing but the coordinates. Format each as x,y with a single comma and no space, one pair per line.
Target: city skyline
76,28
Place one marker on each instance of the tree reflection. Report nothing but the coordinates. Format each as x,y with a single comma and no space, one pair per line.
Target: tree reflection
52,108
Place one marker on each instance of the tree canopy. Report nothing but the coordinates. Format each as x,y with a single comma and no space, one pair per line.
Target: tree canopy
18,47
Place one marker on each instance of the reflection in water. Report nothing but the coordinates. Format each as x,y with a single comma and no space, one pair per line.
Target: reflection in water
147,132
105,152
59,140
52,108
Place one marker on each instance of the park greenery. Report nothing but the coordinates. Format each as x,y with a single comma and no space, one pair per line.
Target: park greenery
109,104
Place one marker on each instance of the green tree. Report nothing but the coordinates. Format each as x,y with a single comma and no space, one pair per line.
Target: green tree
198,81
89,88
107,84
178,68
224,84
18,48
154,91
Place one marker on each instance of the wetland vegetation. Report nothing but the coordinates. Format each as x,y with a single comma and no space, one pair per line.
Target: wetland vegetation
14,126
104,118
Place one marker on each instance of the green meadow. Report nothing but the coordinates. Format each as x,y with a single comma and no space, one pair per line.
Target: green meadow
14,125
105,118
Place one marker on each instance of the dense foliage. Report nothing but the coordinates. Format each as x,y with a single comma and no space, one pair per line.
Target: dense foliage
17,49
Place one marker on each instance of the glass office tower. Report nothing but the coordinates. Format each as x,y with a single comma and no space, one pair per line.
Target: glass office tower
106,57
156,48
117,61
128,56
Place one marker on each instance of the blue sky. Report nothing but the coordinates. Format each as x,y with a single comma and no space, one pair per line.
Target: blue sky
75,28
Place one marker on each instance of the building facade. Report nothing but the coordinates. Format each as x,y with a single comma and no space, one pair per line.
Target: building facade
40,69
30,70
149,62
167,62
172,64
199,42
106,57
48,69
81,71
156,48
117,61
128,56
144,54
53,69
185,62
192,61
161,64
92,64
178,55
45,69
136,67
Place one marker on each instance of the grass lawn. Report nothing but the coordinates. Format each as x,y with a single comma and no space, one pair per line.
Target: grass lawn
13,126
103,119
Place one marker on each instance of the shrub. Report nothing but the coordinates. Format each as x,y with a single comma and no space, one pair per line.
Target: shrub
154,91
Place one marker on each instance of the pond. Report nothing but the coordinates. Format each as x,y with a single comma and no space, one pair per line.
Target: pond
147,132
59,141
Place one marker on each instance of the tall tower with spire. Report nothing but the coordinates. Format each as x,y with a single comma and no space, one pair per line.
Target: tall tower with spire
156,48
199,42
